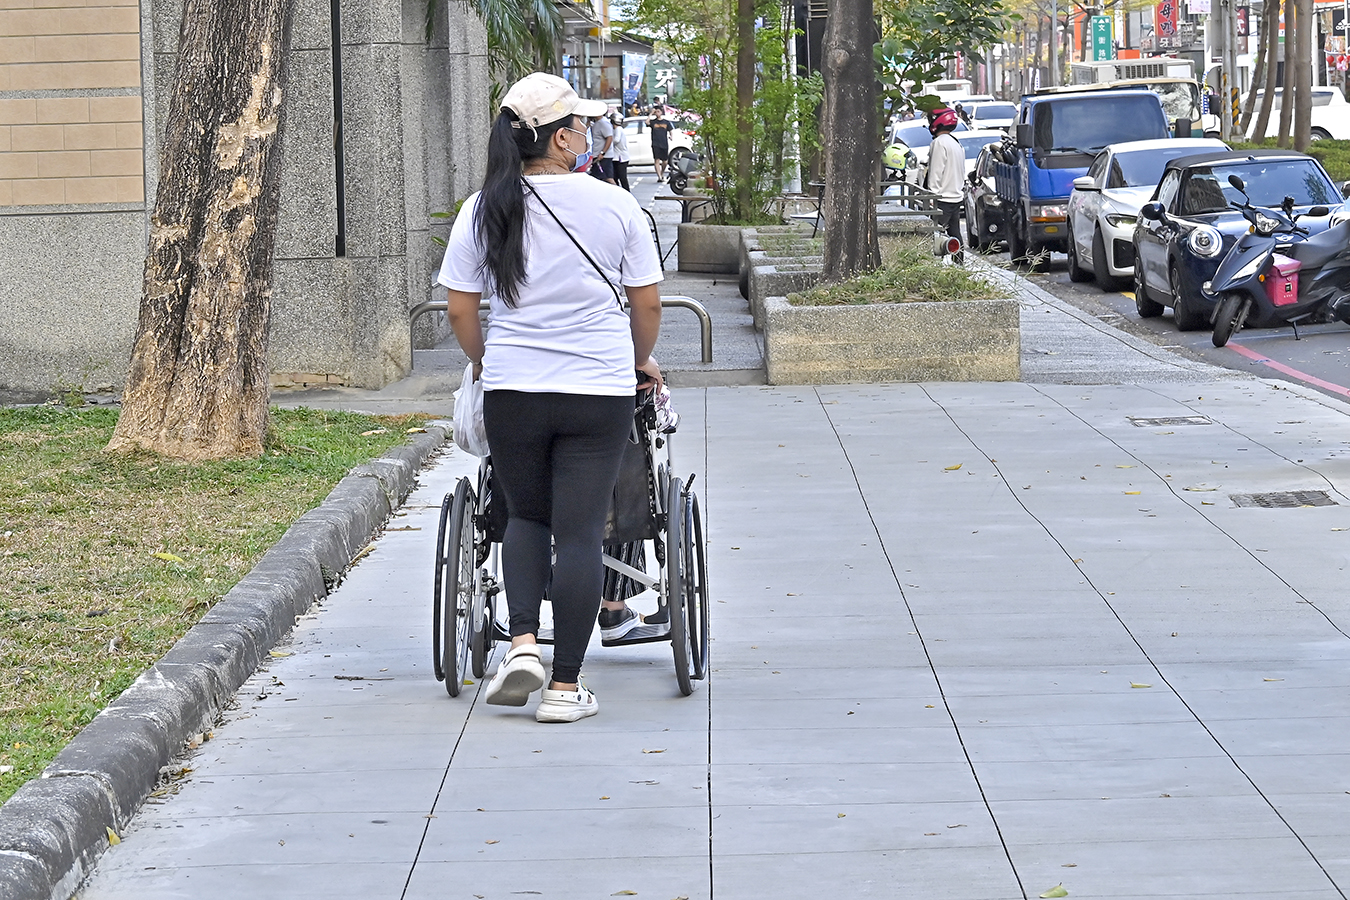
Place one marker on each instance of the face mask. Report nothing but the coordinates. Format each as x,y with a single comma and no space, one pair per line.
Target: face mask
583,160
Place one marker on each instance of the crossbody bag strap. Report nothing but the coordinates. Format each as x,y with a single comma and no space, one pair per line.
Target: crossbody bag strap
596,265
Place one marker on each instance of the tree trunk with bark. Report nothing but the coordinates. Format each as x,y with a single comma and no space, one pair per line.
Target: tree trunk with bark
848,134
198,384
1303,77
1270,21
745,104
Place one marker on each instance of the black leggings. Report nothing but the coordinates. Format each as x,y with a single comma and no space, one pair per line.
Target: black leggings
621,175
556,457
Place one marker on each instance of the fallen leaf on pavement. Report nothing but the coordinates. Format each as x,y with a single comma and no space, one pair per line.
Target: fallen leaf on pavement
492,842
1056,891
662,750
1135,684
952,468
1272,679
1134,492
113,839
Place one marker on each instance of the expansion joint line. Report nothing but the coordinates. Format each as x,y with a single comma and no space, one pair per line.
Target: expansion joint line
928,657
1219,528
708,679
1130,633
440,788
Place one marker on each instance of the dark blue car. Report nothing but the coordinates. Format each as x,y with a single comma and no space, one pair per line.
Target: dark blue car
1177,254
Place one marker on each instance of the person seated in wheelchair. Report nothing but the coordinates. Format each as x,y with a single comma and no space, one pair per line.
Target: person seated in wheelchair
620,623
549,248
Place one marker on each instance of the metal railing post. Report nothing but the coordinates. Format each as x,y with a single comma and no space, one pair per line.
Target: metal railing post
704,321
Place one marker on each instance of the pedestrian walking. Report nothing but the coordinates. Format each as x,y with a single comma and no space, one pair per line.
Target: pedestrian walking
947,171
621,154
602,139
660,126
550,250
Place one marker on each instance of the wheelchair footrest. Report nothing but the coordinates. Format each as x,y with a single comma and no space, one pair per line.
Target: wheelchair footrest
642,634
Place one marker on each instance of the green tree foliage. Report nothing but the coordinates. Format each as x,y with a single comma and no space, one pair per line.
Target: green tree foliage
918,39
700,37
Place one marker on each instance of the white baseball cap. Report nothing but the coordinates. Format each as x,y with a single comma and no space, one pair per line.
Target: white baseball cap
540,98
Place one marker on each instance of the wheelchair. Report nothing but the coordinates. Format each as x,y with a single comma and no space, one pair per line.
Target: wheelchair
653,549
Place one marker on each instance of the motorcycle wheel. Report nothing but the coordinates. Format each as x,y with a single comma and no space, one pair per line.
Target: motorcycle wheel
1229,318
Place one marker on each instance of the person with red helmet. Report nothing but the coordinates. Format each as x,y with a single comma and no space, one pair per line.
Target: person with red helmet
946,171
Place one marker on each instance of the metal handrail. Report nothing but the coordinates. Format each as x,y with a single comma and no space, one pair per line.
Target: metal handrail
704,321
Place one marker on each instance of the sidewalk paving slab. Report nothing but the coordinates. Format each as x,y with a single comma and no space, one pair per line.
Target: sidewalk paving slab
986,627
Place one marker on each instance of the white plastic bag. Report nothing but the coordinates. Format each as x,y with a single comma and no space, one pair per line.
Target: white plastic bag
470,433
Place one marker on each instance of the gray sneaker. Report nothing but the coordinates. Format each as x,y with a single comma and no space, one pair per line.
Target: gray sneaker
615,623
566,706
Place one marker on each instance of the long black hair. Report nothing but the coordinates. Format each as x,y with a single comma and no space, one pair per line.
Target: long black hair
499,218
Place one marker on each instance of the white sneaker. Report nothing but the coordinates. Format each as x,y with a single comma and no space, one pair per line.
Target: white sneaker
566,706
520,675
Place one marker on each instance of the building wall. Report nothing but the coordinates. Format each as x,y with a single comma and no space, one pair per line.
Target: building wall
79,151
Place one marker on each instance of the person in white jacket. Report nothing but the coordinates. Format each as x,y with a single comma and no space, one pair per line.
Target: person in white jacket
947,171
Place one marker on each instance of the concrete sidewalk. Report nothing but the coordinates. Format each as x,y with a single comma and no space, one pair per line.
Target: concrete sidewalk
971,641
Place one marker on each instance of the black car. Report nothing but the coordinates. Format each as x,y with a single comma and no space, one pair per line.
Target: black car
984,209
1188,227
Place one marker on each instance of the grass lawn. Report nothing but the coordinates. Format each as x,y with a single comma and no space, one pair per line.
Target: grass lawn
106,560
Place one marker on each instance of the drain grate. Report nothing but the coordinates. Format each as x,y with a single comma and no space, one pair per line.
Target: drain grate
1283,499
1141,422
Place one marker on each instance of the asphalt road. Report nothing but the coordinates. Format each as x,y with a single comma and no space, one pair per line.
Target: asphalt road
1321,359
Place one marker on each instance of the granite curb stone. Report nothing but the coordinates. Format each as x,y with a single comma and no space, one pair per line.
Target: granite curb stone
53,828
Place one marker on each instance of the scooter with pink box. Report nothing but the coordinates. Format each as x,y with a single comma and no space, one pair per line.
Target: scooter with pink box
1277,272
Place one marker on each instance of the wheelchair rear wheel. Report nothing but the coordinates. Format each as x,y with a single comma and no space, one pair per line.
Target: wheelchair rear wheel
454,587
674,587
695,578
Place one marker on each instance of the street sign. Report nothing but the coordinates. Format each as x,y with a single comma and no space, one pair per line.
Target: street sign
1102,46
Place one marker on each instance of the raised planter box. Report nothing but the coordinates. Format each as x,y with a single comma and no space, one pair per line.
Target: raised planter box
778,276
710,248
960,340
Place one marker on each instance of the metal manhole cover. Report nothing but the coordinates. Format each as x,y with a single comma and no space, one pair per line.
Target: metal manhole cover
1283,499
1142,422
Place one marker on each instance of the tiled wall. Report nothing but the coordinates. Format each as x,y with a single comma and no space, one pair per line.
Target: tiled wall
70,103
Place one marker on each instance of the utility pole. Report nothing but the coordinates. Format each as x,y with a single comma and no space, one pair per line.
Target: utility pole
1225,27
1054,42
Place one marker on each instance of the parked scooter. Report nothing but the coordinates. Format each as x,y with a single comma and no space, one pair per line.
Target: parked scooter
680,169
1277,272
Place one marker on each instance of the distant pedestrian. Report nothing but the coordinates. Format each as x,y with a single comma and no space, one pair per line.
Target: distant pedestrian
602,140
549,250
621,154
660,128
947,171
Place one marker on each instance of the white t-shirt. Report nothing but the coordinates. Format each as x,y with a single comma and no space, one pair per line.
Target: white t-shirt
567,333
619,152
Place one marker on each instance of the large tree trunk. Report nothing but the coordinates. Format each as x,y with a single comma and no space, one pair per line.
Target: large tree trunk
745,103
1270,23
1303,78
197,388
848,134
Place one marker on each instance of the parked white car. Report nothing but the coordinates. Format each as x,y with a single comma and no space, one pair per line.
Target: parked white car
1330,114
995,114
680,141
1105,203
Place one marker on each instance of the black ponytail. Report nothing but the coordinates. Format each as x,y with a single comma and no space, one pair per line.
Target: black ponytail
499,218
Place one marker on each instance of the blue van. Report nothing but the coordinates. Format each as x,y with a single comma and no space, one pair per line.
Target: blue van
1055,140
